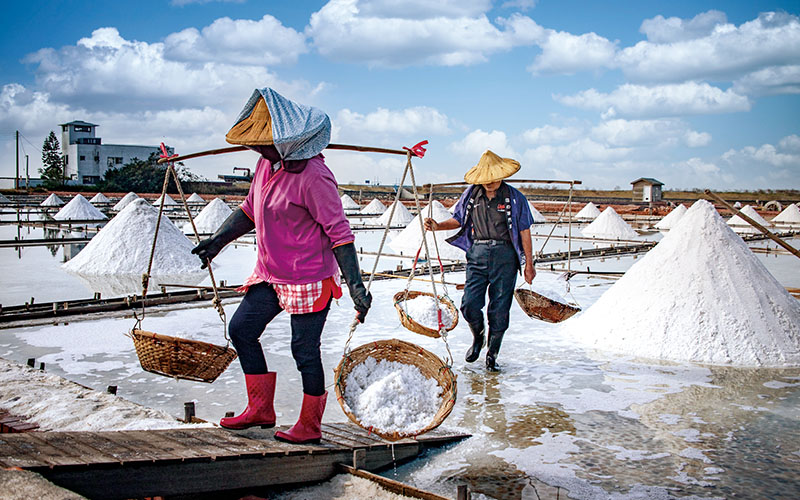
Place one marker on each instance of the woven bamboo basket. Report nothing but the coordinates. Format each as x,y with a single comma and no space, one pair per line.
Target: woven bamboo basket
537,306
403,352
408,322
181,358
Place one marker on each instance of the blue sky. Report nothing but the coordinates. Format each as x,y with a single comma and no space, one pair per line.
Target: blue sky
696,94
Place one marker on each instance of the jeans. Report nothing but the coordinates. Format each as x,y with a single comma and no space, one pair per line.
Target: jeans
259,306
493,266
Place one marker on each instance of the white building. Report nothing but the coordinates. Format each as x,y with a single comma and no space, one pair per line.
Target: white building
86,159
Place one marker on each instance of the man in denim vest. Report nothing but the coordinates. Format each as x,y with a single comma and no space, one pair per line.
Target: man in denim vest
494,220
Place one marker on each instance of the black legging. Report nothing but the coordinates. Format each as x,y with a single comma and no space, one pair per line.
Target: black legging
259,306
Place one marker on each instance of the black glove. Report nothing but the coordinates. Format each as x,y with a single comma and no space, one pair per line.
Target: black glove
348,263
237,224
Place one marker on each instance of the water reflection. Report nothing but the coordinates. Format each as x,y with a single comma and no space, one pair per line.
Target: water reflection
110,285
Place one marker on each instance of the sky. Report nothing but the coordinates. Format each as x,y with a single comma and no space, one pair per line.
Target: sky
697,94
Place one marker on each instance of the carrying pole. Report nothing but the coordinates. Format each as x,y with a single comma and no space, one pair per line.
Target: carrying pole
236,149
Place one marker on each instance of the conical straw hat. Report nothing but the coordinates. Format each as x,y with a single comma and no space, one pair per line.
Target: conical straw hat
255,130
491,168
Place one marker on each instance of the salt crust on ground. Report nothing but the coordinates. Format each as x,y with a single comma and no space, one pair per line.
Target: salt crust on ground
672,218
3,199
123,246
57,404
341,487
195,198
588,212
410,238
79,208
99,198
789,215
52,201
538,218
121,204
610,225
374,207
742,226
422,309
210,218
168,201
401,216
700,295
348,203
391,396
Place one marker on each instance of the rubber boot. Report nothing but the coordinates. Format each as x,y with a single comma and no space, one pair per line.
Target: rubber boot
478,340
259,411
495,339
308,426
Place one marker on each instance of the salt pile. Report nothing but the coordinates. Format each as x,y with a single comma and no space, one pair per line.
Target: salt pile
672,218
588,212
737,205
742,226
195,198
391,396
79,208
401,216
348,203
52,201
700,295
210,218
611,226
538,218
121,204
123,246
790,215
3,199
410,238
374,207
423,310
167,201
99,198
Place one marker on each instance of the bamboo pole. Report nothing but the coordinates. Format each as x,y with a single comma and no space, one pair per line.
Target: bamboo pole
755,224
236,149
518,181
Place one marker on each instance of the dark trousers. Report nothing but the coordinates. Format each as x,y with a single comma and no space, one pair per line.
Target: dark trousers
259,306
494,267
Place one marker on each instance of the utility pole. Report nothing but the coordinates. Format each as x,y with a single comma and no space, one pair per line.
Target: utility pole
27,175
16,178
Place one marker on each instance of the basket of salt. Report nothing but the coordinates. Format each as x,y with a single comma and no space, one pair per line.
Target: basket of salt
181,358
418,313
538,306
372,377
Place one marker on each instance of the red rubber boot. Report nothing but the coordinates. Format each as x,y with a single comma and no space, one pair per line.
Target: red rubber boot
259,411
307,429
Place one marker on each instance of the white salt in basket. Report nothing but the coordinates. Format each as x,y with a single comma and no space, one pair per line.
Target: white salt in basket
408,322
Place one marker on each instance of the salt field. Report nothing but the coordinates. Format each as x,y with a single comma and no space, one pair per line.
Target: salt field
562,418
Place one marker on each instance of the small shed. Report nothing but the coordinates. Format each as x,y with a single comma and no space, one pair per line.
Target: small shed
647,189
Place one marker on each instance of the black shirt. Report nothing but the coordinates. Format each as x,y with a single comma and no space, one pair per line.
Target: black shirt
489,216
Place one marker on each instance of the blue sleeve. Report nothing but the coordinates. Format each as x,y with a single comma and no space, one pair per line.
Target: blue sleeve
525,218
461,206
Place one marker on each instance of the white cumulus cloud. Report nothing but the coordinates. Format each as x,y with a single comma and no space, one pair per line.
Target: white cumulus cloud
549,134
651,133
419,120
770,81
474,144
675,29
565,53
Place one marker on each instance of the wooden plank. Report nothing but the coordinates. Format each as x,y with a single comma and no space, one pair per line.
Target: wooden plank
347,432
379,458
392,485
74,441
359,432
14,453
267,438
132,446
233,443
49,455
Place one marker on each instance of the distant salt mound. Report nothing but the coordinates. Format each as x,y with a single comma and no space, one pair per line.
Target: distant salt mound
374,207
611,226
79,208
588,212
410,238
348,203
737,205
700,295
195,198
538,218
168,201
210,218
121,204
672,218
742,226
790,215
99,198
122,247
401,216
3,199
52,201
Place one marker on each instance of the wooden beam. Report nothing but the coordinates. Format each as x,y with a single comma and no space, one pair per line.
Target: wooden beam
236,149
390,484
517,181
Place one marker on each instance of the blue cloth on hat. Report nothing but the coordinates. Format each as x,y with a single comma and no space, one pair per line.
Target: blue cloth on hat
298,131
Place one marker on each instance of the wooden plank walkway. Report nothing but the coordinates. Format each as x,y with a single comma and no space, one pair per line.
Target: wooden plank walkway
136,464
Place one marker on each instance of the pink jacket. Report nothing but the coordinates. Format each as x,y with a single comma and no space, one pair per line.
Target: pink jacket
299,219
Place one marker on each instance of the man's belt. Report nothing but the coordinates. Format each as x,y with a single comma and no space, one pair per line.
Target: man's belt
492,242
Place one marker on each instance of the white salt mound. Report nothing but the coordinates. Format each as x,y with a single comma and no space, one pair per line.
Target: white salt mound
737,205
99,198
341,487
750,212
391,396
195,198
401,216
790,215
423,310
672,218
79,208
538,218
168,201
210,218
3,199
52,201
610,225
588,212
123,246
700,295
121,204
374,207
348,203
410,238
